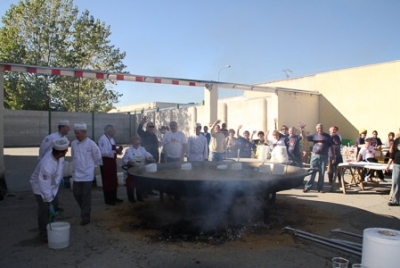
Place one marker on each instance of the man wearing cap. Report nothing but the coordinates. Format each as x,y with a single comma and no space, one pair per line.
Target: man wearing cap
86,156
149,141
361,139
109,152
46,145
197,146
149,137
45,182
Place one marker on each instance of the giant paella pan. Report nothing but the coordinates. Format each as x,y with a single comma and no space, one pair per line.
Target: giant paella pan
210,178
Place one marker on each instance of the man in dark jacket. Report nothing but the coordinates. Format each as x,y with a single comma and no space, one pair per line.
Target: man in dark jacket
150,143
149,138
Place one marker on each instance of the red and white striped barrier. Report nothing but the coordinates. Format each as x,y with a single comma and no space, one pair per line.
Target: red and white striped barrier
14,67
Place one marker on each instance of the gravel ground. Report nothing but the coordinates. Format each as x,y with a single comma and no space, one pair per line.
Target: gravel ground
133,234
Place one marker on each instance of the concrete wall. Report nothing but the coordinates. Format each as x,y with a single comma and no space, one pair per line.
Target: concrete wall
28,128
251,114
288,108
354,98
295,107
365,96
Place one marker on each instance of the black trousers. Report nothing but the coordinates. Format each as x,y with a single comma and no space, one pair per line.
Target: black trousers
82,191
333,167
371,171
42,214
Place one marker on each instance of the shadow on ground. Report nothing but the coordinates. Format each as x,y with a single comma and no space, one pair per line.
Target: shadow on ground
136,234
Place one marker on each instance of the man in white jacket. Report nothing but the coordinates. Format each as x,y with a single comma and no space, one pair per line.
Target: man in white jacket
46,145
86,156
109,152
45,182
197,146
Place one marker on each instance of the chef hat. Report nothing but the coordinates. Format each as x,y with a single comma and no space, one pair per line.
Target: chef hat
80,126
63,122
61,144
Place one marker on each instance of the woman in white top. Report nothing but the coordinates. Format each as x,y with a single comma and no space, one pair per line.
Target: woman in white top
135,151
276,140
135,155
367,154
278,148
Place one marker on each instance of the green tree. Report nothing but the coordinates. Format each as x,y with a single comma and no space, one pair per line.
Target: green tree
50,33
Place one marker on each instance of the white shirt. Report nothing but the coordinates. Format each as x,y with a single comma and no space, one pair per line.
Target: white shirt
272,143
132,152
86,156
105,145
47,176
367,152
173,143
47,144
197,148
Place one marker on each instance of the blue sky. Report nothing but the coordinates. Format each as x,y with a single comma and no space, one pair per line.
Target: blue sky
258,38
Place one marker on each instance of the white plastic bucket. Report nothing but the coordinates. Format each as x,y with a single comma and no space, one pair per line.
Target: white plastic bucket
186,166
58,234
151,167
99,182
97,171
221,167
265,168
278,169
121,178
263,151
236,166
66,171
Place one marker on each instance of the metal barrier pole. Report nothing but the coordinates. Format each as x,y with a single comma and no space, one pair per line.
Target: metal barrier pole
49,122
92,125
130,126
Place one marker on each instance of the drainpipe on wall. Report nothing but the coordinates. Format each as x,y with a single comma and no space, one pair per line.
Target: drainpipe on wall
92,125
49,122
130,125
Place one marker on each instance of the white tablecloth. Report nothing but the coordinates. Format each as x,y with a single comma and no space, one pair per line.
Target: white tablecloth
369,165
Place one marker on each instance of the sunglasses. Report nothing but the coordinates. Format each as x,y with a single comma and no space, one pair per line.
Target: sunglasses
150,126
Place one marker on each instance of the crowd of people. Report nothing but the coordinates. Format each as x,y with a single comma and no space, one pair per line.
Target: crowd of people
172,145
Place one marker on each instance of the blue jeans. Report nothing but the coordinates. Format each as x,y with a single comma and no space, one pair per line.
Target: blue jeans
396,184
319,162
217,156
